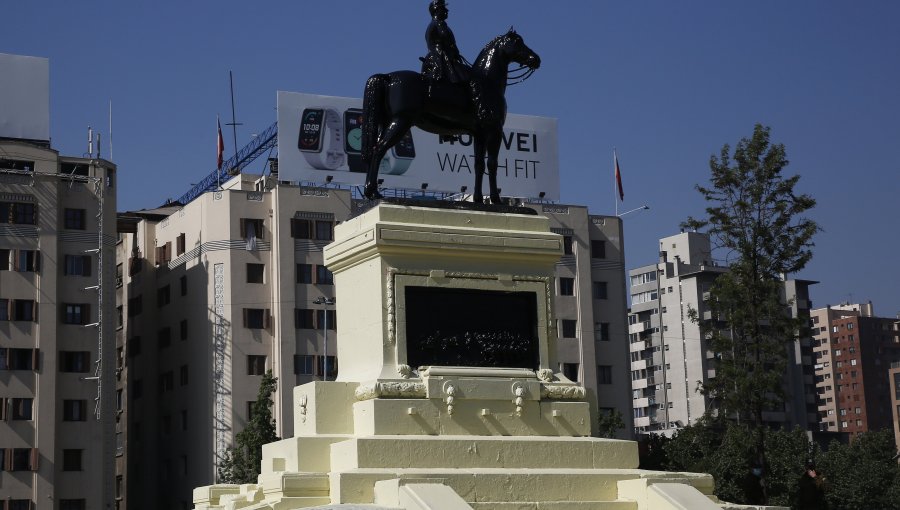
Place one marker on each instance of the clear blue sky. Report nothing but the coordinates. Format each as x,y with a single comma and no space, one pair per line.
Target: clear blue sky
667,83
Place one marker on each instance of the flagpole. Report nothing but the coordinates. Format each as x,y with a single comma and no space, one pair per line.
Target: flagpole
615,183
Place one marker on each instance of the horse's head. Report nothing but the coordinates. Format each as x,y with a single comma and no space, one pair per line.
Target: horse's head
517,51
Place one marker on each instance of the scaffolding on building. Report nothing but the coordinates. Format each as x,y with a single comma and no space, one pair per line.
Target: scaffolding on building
31,177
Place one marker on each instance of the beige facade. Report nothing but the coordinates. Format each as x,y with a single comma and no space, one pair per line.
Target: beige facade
248,260
669,356
57,262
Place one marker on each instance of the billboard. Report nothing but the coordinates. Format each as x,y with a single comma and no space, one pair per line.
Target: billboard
24,97
319,136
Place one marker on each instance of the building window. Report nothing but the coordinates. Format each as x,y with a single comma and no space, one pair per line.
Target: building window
332,366
22,459
74,410
27,261
180,244
256,273
304,364
303,319
183,327
601,331
566,286
252,228
324,230
166,382
568,248
120,400
183,375
72,459
18,359
5,258
324,276
569,328
164,254
163,296
570,370
183,282
304,273
600,290
135,306
164,337
598,249
76,313
23,214
75,361
256,365
21,408
74,219
256,318
22,310
604,374
330,316
301,229
120,317
77,265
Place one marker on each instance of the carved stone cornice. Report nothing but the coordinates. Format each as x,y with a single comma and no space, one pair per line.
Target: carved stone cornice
391,389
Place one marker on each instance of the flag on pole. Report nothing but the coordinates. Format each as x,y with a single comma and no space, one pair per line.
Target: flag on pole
618,177
220,145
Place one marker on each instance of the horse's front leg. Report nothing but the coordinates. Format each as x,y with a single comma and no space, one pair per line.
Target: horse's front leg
477,196
493,149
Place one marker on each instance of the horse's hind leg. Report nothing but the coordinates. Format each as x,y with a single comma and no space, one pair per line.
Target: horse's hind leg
477,196
493,149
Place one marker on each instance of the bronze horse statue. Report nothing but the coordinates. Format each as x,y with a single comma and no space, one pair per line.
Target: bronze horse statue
395,102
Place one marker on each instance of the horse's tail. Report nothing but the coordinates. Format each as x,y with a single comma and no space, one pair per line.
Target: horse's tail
373,114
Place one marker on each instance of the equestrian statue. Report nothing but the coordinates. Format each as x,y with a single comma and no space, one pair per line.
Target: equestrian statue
449,97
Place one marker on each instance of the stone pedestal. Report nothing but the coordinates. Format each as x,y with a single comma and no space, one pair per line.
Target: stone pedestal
422,434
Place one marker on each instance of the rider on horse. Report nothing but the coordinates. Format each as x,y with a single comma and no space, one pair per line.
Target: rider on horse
443,62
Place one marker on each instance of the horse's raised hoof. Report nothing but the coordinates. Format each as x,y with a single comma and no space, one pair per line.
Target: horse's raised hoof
371,192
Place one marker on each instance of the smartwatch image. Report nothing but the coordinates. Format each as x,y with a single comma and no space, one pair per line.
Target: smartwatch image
319,153
353,119
398,159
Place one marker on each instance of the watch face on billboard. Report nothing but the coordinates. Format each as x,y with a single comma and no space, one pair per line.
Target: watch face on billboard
311,123
405,148
353,128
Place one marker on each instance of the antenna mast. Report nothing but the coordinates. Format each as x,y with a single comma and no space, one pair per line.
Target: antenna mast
234,123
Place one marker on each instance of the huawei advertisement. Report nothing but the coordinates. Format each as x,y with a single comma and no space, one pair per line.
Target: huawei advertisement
321,136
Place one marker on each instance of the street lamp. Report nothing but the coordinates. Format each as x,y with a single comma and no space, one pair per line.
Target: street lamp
321,300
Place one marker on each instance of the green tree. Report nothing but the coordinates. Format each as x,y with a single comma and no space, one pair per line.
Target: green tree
609,423
863,474
755,217
243,462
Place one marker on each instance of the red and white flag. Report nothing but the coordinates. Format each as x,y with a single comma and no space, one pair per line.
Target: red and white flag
220,149
618,177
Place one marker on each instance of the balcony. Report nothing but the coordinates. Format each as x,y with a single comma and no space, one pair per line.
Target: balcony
639,403
643,421
639,364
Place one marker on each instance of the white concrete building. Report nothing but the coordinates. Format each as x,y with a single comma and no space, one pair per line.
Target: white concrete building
669,355
219,290
57,261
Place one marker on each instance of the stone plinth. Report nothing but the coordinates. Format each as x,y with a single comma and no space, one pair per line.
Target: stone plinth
502,431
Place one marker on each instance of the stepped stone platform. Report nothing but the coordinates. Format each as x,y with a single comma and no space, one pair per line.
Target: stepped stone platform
489,434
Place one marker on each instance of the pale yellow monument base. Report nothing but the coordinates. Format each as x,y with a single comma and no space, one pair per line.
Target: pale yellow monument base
387,435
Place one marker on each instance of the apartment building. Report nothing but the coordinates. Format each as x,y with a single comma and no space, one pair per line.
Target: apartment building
894,381
853,352
57,317
219,290
668,353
